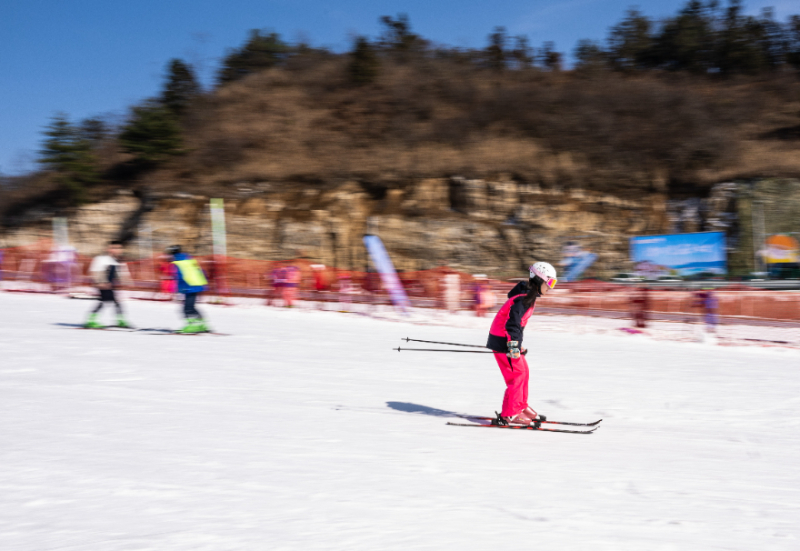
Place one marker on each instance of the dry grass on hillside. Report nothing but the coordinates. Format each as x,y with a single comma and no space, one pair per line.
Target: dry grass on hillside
437,118
602,131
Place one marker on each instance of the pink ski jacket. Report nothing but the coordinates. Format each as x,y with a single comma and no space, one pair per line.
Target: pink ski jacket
510,321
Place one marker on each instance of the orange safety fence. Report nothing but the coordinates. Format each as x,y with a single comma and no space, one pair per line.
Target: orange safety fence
58,271
227,276
749,304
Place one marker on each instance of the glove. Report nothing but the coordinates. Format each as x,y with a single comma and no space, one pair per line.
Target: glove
513,349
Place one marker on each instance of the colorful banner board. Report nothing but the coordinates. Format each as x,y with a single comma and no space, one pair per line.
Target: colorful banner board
681,254
385,267
781,249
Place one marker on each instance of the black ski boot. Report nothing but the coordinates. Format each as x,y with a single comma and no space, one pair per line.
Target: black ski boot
499,420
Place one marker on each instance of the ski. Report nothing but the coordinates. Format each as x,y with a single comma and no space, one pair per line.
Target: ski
173,332
146,331
523,427
214,333
479,418
108,328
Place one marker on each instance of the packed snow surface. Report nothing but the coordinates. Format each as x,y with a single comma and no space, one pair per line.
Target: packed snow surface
304,430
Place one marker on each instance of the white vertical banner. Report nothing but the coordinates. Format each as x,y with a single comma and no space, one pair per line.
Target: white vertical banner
217,207
62,258
452,292
60,233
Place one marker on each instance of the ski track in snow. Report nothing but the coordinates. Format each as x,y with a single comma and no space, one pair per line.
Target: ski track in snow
304,430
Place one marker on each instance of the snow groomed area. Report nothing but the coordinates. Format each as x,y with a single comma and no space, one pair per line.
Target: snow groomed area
303,430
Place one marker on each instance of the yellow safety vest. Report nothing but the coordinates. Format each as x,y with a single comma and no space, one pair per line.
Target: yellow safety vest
191,272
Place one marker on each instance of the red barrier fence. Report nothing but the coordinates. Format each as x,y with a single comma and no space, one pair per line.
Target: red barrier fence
38,265
751,304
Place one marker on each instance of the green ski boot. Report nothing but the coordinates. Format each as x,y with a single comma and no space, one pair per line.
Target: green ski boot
192,326
92,323
123,324
202,327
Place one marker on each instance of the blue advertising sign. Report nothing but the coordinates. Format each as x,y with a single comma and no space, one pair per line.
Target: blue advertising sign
385,267
680,254
579,265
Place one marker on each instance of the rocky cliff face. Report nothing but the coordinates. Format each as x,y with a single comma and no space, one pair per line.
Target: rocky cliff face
496,226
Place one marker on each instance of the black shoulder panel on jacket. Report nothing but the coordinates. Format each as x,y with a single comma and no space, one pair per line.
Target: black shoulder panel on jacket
520,288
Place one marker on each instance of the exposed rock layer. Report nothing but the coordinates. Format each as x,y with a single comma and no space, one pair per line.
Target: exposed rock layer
496,226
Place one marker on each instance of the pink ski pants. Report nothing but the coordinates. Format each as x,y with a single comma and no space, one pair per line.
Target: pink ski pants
515,373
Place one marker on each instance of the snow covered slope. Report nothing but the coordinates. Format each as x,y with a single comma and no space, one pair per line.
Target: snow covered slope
304,430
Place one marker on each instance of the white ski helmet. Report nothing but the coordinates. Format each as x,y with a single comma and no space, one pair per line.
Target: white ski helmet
546,272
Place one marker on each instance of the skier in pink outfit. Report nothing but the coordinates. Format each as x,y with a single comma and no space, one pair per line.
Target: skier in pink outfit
505,339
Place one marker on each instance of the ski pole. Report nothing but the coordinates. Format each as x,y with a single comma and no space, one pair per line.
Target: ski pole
447,343
443,350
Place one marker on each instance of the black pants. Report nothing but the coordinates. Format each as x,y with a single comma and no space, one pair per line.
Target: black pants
188,306
107,295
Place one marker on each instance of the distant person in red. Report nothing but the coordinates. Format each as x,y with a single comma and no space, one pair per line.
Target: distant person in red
320,282
372,285
166,277
640,304
319,277
290,285
346,288
211,276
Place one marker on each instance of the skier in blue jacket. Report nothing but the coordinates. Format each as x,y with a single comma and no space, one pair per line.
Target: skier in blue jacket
191,282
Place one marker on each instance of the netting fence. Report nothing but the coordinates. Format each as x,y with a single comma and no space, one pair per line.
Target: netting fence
39,268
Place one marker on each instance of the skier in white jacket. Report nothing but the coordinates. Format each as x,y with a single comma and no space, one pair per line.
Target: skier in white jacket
107,272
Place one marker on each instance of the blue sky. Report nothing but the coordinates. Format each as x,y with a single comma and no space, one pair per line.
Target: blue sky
96,58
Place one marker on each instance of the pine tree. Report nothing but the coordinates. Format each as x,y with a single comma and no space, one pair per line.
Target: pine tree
398,40
496,50
261,51
69,155
180,88
94,130
686,42
152,134
549,57
364,65
589,55
522,54
630,44
793,41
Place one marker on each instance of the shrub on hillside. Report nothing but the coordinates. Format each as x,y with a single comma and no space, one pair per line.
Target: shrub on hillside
262,50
